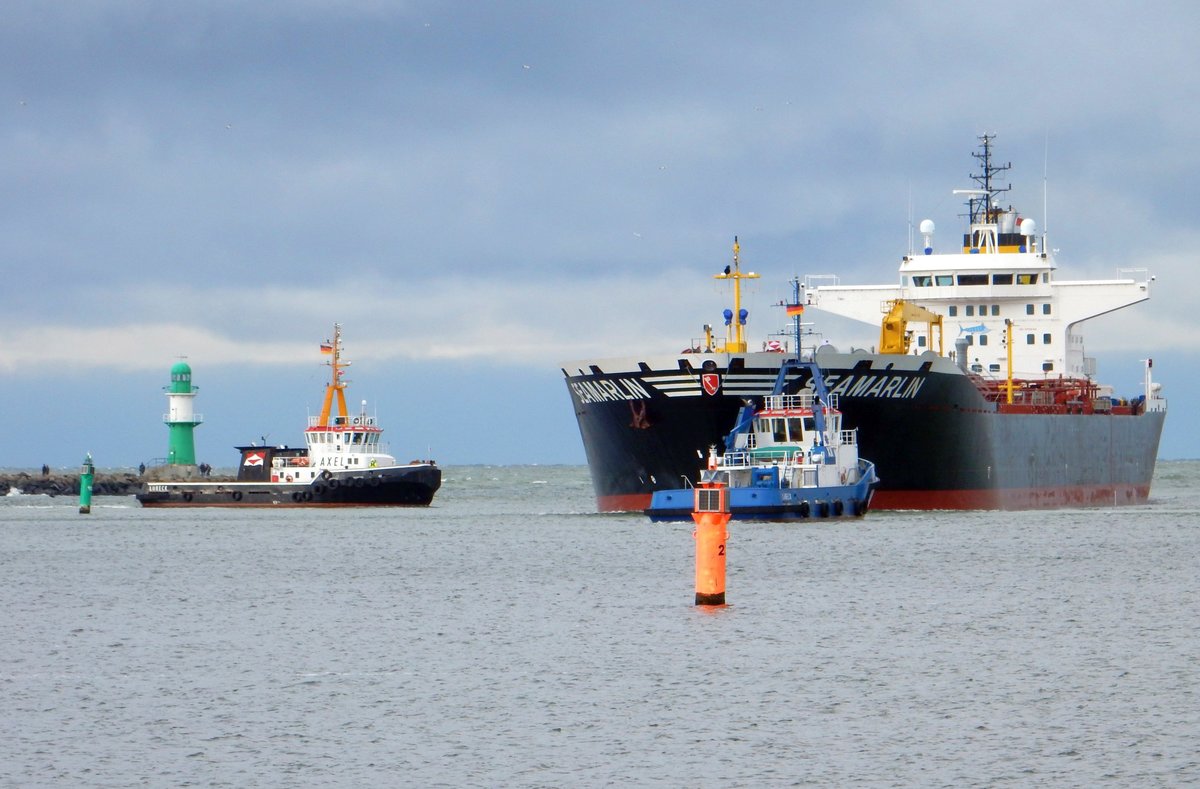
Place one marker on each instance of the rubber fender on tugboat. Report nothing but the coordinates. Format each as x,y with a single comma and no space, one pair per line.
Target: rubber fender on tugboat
307,495
296,495
375,481
804,509
837,508
236,495
326,474
333,483
358,482
318,489
187,496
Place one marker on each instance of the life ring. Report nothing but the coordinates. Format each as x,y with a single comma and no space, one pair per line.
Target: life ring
357,420
288,478
187,496
236,495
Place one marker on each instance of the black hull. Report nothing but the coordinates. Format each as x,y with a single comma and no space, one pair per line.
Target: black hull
935,441
405,486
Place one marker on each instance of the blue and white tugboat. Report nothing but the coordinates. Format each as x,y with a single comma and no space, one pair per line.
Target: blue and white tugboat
787,460
343,464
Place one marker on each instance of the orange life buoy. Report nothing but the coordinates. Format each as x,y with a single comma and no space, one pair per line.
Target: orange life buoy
288,478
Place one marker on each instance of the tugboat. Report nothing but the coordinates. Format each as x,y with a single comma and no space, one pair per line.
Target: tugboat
790,460
343,464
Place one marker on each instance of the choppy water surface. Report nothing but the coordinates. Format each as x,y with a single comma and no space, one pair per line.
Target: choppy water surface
510,636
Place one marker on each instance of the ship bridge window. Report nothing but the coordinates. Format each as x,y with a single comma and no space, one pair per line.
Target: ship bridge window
972,279
795,429
922,281
810,423
1002,279
779,429
945,279
1027,279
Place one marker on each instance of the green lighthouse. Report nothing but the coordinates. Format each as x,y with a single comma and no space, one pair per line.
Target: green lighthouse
181,417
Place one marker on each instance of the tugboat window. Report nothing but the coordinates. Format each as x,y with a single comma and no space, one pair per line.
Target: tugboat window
945,279
1002,279
923,281
972,279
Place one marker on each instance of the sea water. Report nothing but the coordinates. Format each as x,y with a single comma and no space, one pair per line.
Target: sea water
510,636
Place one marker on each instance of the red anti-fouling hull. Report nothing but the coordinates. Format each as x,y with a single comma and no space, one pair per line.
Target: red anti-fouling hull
936,441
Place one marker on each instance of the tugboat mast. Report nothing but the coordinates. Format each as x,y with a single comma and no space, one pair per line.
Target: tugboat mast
336,386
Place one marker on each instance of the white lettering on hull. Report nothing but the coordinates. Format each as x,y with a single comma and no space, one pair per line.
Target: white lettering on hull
875,385
609,389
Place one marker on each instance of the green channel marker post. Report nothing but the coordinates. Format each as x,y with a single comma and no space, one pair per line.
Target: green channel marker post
86,475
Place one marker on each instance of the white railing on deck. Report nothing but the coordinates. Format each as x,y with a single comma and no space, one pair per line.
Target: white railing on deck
802,400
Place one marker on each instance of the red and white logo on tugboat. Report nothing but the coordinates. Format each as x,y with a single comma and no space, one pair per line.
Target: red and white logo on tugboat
253,459
711,383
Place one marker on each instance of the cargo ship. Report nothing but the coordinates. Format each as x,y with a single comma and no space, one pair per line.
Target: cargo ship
1010,417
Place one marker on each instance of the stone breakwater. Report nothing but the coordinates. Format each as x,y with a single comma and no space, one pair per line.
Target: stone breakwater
54,484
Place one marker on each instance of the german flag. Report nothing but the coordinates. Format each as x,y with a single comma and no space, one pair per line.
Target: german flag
326,347
795,310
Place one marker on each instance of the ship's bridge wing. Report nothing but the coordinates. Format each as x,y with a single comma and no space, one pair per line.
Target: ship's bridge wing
865,303
1078,301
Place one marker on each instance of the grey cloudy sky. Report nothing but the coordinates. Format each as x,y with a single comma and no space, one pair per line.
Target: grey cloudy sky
479,191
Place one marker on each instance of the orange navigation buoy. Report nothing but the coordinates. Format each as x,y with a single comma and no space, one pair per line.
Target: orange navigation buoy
710,511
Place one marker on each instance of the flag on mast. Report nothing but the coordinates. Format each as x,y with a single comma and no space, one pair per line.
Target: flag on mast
795,310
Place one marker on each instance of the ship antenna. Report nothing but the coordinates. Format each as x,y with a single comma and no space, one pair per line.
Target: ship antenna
1045,189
